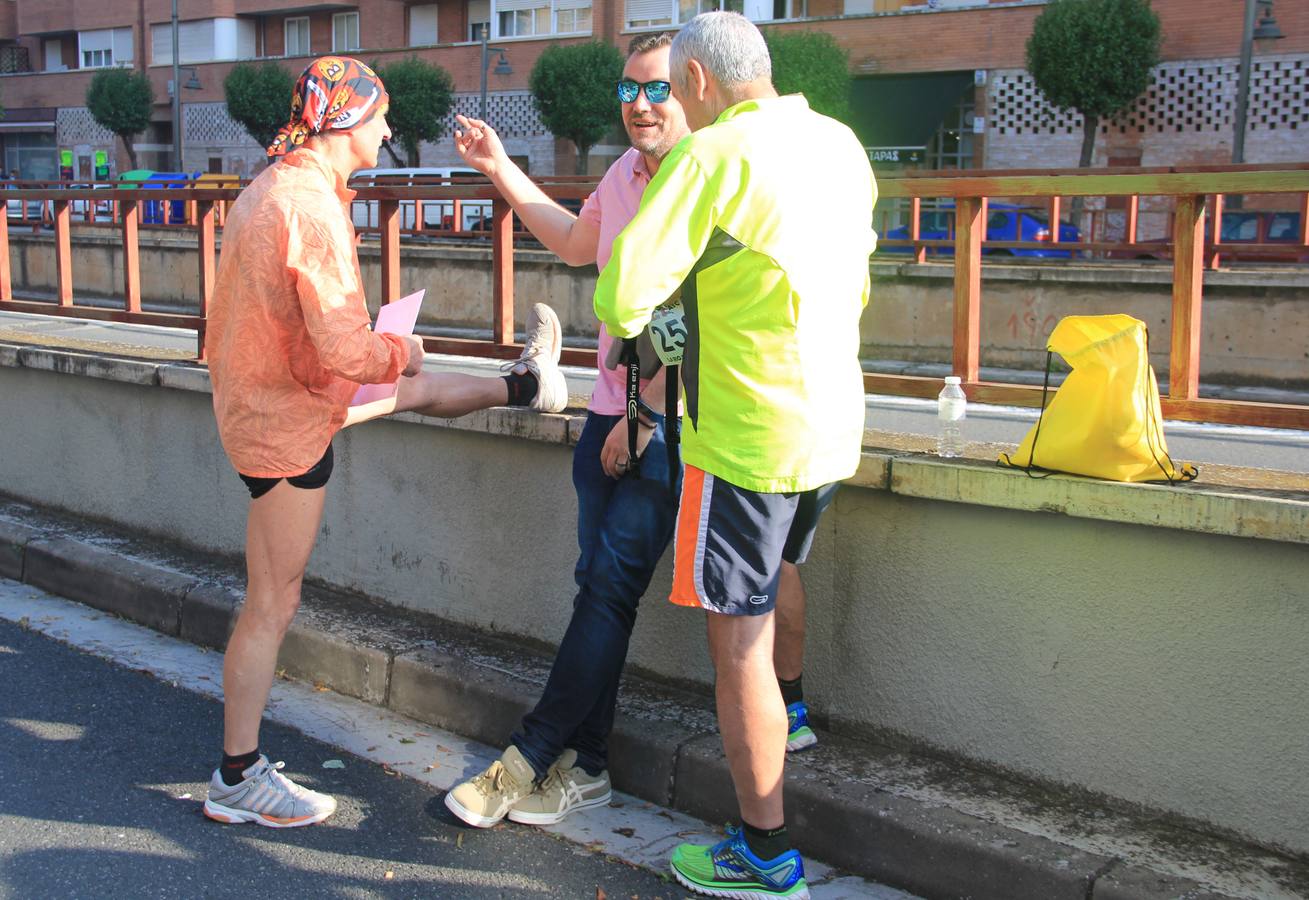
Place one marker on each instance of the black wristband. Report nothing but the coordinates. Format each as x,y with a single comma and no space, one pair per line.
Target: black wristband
643,408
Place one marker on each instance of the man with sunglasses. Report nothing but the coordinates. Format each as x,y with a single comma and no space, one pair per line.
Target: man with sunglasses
772,387
557,761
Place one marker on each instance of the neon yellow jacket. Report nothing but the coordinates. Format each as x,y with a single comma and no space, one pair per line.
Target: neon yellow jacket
764,219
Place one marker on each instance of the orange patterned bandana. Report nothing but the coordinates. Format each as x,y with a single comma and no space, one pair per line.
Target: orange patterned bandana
336,93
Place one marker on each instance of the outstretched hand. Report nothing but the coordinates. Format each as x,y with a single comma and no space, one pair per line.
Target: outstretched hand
478,144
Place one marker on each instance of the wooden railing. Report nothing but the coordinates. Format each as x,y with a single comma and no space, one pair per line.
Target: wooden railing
1191,194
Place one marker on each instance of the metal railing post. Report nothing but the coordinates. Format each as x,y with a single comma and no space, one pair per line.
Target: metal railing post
205,216
970,221
6,283
1188,289
502,272
916,228
1217,233
130,210
63,252
388,220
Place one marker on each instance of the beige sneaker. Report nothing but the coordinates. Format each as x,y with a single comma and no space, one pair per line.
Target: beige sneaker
484,801
566,787
540,356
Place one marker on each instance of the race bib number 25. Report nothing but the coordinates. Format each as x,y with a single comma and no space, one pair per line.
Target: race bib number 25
668,334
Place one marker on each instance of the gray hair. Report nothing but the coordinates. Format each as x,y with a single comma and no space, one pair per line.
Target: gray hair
727,44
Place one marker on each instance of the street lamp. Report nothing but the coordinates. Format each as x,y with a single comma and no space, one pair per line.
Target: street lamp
1266,31
501,66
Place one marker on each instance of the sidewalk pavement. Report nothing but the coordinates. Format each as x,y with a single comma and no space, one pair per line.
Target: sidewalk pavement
926,824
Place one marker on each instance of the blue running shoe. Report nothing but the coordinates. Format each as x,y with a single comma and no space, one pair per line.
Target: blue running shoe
798,733
730,869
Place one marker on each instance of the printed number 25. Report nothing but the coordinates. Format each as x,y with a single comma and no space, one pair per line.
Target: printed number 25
672,336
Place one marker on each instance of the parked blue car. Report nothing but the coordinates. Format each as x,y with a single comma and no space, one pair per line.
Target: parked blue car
1004,222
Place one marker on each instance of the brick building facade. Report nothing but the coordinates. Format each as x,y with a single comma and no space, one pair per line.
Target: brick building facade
938,83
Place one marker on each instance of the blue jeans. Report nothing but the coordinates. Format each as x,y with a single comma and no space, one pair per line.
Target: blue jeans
623,527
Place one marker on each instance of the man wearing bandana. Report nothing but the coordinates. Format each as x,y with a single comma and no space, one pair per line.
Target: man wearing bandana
289,343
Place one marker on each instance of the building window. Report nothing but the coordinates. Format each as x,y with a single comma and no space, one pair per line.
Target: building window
528,18
952,145
479,19
516,18
572,17
203,40
657,13
422,25
297,36
105,47
345,32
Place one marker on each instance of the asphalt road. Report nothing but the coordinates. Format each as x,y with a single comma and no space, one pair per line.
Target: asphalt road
103,770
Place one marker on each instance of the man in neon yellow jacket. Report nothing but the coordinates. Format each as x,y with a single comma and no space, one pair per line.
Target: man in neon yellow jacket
763,218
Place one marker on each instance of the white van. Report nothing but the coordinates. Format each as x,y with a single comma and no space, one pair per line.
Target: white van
435,212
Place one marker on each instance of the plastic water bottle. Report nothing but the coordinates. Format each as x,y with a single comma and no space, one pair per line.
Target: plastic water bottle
951,409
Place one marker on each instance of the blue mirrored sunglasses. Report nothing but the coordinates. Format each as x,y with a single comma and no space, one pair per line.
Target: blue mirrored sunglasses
655,91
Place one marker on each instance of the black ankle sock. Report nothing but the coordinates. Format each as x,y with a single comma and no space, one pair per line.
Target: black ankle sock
766,843
233,766
522,387
792,691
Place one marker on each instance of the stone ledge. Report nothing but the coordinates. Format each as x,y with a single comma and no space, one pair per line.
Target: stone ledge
1249,503
1279,515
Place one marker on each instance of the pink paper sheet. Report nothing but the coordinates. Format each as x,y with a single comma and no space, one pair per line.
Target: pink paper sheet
397,317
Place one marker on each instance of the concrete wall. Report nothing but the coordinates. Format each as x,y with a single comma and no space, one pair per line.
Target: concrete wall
1054,628
1254,322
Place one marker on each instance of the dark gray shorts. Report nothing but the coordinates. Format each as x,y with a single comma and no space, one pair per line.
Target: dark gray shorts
731,542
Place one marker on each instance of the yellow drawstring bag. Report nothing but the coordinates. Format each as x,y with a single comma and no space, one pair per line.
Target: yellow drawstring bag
1104,420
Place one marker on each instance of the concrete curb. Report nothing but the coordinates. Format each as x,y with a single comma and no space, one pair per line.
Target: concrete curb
928,848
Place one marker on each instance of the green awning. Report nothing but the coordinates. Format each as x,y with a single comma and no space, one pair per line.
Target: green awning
904,110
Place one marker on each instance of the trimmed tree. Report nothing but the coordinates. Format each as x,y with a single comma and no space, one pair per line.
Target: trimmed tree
573,88
813,64
1094,57
421,96
120,100
259,97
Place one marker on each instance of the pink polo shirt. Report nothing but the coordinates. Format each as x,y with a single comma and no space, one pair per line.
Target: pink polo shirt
612,205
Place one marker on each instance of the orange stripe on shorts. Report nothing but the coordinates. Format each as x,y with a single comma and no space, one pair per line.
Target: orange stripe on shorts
686,546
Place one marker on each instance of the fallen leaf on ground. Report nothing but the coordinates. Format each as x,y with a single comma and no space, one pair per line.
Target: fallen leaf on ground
389,875
459,840
625,832
333,764
319,686
183,796
387,770
421,734
408,741
370,749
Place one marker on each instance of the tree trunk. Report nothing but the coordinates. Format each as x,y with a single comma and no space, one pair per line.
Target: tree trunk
412,154
394,156
583,157
131,152
1090,125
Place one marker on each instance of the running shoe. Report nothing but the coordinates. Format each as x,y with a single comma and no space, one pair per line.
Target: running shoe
266,797
540,356
483,801
730,869
798,733
565,788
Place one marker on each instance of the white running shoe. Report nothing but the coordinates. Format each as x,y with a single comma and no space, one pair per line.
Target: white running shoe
540,356
266,797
